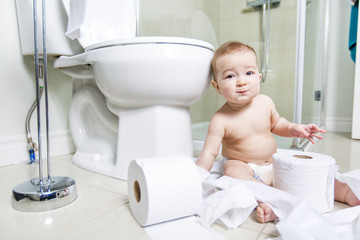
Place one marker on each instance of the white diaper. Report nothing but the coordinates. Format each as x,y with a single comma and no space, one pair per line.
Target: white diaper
263,173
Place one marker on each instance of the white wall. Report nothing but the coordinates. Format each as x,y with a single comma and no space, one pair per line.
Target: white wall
341,70
17,91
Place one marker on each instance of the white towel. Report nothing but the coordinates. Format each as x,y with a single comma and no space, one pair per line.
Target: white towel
93,21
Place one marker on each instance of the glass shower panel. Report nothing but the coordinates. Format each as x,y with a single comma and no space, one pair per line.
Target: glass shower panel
315,62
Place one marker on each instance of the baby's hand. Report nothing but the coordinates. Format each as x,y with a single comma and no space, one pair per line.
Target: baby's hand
306,131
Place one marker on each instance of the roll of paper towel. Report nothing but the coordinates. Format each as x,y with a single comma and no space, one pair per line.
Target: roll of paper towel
307,175
163,189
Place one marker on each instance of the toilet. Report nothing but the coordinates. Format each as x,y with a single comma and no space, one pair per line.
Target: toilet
131,95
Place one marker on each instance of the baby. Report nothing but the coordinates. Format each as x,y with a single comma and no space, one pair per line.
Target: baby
245,123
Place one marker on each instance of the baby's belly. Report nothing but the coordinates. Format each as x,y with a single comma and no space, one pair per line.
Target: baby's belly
254,150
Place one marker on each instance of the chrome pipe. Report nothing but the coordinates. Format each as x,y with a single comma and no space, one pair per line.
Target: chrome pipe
31,145
46,90
28,116
36,50
265,35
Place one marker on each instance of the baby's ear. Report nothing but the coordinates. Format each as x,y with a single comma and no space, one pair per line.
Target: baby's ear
215,85
260,76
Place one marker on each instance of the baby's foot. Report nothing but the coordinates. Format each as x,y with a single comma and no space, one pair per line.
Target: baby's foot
264,213
351,199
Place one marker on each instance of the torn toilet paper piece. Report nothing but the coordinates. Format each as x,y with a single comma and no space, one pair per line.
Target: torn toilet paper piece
303,222
243,195
230,206
346,222
340,225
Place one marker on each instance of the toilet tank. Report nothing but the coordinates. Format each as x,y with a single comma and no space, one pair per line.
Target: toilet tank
57,43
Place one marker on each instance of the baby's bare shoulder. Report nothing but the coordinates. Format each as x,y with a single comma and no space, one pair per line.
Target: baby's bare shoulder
219,117
264,98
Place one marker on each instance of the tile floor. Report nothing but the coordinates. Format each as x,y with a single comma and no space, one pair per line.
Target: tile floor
102,210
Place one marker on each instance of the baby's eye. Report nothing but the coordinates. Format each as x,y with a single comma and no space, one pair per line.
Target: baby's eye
230,76
249,73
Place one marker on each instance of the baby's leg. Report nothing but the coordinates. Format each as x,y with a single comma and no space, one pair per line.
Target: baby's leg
344,194
241,170
238,169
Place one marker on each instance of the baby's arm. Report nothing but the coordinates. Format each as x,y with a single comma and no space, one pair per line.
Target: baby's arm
306,131
212,143
284,128
287,129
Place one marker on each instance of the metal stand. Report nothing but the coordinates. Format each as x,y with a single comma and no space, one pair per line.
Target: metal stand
41,194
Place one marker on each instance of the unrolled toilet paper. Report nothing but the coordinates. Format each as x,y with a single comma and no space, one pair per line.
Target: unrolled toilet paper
307,175
298,220
163,189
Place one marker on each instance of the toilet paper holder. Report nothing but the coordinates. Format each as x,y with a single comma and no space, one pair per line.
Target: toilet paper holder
41,194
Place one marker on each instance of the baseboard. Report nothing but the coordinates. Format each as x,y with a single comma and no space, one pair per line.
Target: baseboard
13,148
332,124
338,124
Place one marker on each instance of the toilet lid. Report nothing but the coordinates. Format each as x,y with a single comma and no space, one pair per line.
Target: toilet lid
147,40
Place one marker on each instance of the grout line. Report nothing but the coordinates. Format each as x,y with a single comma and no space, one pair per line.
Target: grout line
261,232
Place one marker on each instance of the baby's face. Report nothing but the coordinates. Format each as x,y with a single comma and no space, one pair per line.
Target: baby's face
238,78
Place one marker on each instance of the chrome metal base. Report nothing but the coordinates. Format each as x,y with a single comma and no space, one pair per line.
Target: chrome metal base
31,196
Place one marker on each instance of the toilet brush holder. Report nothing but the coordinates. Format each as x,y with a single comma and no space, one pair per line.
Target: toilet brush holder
42,194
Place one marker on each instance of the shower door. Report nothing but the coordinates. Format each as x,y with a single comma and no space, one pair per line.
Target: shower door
315,18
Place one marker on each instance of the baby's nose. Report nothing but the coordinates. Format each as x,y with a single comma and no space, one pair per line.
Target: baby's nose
241,81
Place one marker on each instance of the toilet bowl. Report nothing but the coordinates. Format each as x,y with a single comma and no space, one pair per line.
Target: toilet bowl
131,99
149,84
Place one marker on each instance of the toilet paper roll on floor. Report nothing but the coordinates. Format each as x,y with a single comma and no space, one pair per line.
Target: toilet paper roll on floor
307,175
163,189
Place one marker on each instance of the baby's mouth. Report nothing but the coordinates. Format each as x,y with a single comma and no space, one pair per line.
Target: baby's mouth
242,91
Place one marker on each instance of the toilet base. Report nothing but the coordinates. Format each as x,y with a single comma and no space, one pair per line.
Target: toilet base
154,131
93,129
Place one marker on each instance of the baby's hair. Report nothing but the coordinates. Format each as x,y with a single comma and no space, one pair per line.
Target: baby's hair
226,48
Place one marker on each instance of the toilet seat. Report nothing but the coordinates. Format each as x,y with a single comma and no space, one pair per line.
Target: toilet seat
150,40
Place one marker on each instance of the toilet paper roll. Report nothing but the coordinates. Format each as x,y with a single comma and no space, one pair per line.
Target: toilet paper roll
307,175
163,189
